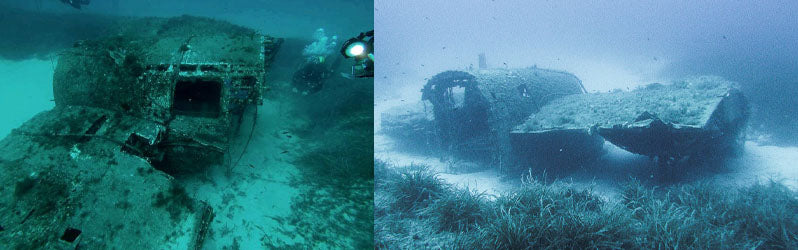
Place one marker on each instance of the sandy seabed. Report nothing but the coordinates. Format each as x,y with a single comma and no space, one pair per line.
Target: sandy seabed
606,176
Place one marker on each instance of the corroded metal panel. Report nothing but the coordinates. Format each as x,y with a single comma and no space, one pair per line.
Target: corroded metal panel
475,111
695,117
194,75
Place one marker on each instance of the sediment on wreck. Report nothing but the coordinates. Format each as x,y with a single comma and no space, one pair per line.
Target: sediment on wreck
475,111
153,99
690,119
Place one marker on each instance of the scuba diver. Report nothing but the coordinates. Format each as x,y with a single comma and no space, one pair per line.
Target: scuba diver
76,3
363,52
315,69
310,76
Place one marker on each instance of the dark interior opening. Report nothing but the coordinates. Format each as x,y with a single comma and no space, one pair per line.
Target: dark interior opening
461,115
95,126
197,97
188,67
455,96
70,234
249,81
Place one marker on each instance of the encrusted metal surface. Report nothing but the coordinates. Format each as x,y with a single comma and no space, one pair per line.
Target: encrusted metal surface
157,94
699,116
475,111
61,170
193,75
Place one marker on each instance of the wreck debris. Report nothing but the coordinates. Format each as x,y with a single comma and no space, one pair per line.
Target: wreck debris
104,192
203,225
157,93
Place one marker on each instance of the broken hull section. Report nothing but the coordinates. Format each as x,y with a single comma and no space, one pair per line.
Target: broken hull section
556,149
699,119
73,168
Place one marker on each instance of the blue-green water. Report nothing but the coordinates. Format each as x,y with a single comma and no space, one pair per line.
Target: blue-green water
304,178
451,172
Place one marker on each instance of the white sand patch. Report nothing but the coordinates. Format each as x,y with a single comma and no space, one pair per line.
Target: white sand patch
252,200
488,181
760,164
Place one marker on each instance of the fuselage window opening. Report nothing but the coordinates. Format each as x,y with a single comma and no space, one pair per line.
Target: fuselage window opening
456,96
198,97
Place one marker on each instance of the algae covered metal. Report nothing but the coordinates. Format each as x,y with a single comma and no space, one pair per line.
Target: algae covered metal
70,182
532,117
695,117
154,98
193,75
475,111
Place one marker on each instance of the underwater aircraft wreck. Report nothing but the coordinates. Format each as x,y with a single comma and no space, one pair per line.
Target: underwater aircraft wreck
471,111
156,97
540,118
694,118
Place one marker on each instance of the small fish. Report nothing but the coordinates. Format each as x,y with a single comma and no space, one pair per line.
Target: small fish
285,132
288,136
284,151
251,166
